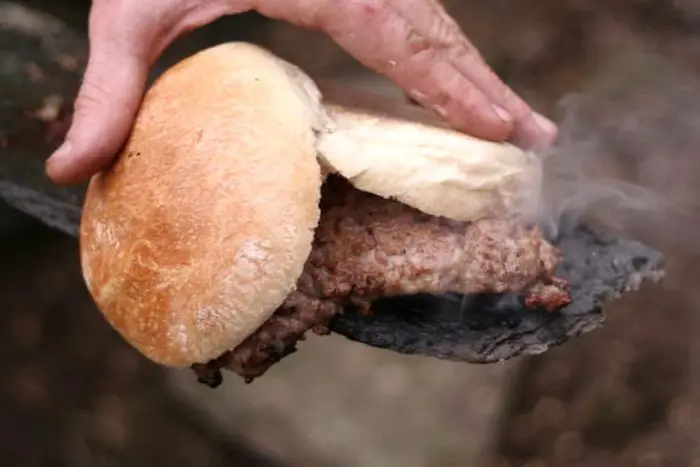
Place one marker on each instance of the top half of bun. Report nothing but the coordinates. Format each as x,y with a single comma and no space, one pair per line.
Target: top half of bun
393,149
201,228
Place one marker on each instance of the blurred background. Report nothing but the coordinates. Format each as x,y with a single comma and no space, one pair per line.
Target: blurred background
623,79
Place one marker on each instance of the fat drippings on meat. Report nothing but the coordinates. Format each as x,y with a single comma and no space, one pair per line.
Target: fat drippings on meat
368,247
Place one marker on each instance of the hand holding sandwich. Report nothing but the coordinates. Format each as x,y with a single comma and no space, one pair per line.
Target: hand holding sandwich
413,42
210,244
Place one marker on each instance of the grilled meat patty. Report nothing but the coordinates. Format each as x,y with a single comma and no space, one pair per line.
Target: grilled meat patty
367,247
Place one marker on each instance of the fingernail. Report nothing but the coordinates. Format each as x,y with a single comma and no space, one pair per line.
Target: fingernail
502,113
545,124
63,152
59,156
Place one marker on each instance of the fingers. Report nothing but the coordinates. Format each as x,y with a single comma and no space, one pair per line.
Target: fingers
419,64
413,42
106,104
126,37
102,118
432,21
422,49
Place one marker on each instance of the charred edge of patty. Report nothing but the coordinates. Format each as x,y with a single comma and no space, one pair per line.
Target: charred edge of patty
278,337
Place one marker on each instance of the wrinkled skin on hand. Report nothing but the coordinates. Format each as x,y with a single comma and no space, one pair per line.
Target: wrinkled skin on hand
413,42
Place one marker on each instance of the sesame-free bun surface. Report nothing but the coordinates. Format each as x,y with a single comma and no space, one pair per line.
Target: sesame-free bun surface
396,150
202,227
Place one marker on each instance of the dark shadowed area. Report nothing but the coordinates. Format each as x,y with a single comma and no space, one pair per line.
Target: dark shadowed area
622,77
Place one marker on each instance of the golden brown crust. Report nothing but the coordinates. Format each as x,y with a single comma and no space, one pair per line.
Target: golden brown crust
202,227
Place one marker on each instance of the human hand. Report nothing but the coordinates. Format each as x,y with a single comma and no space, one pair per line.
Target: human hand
413,42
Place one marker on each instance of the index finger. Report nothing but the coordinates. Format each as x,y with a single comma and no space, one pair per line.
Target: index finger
421,48
432,21
418,63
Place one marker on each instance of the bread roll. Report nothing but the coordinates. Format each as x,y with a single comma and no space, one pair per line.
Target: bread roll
203,225
436,170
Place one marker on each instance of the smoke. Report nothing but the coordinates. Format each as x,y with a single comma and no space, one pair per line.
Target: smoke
627,161
582,179
628,158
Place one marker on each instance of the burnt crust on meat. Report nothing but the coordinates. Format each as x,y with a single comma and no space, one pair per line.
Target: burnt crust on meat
367,247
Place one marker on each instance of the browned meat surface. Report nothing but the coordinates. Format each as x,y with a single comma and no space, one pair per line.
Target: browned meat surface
368,247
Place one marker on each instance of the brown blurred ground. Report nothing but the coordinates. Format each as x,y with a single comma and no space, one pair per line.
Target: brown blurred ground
628,395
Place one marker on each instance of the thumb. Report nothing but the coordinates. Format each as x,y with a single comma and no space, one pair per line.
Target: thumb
105,108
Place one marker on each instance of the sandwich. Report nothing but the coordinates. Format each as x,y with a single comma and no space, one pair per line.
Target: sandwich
249,207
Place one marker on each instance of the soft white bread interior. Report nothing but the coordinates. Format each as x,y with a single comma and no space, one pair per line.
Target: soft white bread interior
396,150
202,227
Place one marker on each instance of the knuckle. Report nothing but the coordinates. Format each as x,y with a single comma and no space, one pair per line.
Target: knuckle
418,44
443,29
93,99
92,95
435,46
